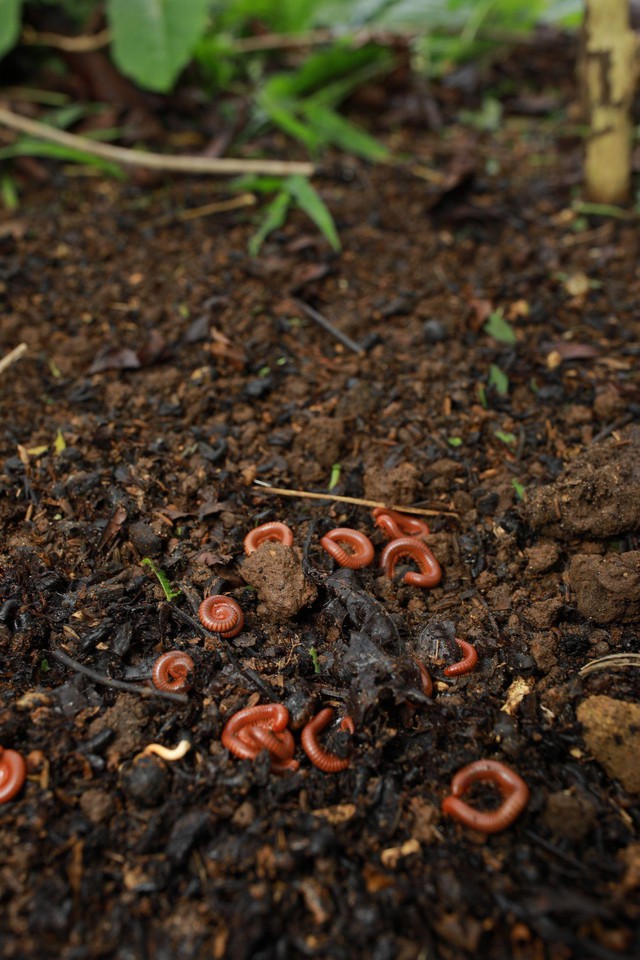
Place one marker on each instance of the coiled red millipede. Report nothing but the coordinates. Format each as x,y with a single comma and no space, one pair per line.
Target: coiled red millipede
465,665
514,790
222,615
430,571
173,671
244,735
397,525
362,548
274,530
321,758
13,773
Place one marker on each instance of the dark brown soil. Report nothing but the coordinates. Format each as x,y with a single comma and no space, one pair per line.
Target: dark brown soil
166,372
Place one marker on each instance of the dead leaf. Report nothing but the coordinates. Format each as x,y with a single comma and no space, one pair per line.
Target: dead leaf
115,358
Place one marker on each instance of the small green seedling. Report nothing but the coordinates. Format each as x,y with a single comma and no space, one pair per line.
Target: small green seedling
313,653
499,328
519,489
169,591
334,479
499,380
509,439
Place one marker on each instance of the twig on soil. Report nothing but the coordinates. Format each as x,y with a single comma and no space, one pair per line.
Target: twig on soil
223,206
82,44
612,662
358,501
12,356
612,427
156,161
343,338
68,661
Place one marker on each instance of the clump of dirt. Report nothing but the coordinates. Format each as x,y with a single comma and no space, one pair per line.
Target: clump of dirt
277,575
607,588
612,735
597,494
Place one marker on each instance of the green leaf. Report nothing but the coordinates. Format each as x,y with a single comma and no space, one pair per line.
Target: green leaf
341,133
499,328
334,479
169,591
309,200
274,216
280,114
454,441
154,39
499,380
10,19
509,439
30,147
9,192
313,653
519,489
482,396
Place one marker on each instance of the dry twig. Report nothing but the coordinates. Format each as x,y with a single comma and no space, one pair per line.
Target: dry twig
156,161
12,356
613,661
357,501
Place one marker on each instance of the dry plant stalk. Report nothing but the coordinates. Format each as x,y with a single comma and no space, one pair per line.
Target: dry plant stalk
608,77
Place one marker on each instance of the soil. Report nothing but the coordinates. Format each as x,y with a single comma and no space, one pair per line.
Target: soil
166,372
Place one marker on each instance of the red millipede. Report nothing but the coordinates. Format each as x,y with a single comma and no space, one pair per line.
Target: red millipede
222,615
240,735
467,664
274,530
425,679
173,671
515,794
361,547
327,762
430,570
13,773
396,525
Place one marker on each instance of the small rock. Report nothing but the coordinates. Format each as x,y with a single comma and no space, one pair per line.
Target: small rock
146,781
398,485
569,815
607,588
97,805
543,650
543,613
541,557
276,573
145,539
434,331
612,735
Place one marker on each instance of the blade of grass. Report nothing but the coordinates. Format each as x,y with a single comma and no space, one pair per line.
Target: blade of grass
309,200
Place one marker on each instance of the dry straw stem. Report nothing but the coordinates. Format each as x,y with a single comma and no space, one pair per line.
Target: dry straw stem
613,662
12,356
357,501
155,161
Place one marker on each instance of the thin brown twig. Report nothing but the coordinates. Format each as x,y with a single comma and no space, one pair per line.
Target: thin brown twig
68,661
12,356
207,210
259,487
220,166
284,41
318,318
81,44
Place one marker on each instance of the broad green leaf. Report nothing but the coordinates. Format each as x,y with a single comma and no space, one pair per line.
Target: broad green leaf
10,18
30,147
341,133
499,380
309,200
499,328
273,218
154,39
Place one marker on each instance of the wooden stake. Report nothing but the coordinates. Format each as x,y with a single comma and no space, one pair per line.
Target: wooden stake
608,75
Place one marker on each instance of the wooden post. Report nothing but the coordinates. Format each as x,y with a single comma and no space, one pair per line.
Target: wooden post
608,74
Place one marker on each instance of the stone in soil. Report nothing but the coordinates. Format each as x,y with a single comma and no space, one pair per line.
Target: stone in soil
607,588
597,494
612,736
276,573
